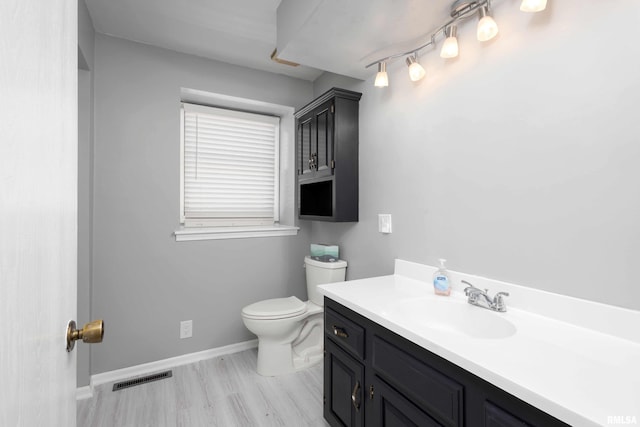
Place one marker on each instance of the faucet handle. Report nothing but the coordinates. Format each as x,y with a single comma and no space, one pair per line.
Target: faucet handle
498,301
470,288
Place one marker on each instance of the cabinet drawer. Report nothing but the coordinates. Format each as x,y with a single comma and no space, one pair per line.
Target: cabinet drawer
494,416
431,390
346,333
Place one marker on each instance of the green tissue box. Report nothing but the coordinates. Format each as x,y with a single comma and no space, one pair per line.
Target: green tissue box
325,253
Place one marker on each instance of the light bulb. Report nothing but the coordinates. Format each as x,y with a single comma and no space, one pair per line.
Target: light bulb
382,80
533,5
487,27
450,45
416,72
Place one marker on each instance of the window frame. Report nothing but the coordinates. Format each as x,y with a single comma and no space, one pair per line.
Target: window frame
287,224
193,221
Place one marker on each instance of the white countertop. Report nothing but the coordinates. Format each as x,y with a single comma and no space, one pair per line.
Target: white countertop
582,376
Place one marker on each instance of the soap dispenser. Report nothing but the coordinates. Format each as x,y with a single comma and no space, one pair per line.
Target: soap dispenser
441,281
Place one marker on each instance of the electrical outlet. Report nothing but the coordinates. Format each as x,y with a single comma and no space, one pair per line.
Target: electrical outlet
186,329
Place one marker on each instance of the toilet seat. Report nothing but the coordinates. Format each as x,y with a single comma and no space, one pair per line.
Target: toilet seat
275,308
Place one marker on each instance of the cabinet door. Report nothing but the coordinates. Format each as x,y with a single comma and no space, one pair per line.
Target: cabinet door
343,387
306,133
389,408
324,139
412,374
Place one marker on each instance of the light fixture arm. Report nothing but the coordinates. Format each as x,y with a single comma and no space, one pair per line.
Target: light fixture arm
460,10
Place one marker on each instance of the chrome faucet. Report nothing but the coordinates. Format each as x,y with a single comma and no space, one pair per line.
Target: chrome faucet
480,298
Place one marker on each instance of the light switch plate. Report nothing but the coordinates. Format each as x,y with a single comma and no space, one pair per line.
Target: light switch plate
384,223
186,329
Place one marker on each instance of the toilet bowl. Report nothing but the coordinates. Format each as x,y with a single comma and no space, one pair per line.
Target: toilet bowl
290,331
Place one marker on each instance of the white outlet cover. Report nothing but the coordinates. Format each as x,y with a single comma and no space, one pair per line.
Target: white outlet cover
384,223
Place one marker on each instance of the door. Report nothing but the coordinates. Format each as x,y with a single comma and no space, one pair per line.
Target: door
315,142
343,387
306,130
38,210
389,408
324,139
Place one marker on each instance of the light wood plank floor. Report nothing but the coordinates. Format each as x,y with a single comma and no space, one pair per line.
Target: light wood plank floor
225,391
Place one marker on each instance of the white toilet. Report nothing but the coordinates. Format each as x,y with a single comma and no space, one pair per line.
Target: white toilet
290,331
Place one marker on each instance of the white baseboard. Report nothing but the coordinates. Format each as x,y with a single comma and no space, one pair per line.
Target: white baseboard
86,392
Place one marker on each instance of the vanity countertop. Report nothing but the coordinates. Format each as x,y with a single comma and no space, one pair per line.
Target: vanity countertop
561,358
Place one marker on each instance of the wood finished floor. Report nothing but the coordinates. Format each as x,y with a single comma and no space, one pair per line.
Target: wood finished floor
225,391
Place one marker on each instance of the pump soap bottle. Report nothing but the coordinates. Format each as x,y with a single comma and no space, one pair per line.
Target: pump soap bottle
441,281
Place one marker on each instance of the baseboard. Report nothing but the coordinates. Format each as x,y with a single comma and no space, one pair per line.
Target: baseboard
86,392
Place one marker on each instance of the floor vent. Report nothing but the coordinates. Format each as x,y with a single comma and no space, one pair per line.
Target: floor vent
142,380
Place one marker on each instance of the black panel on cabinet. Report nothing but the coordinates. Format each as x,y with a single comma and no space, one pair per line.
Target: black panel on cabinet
346,333
495,416
343,387
430,389
392,409
316,199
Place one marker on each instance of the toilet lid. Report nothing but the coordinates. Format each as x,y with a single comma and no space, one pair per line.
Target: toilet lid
276,308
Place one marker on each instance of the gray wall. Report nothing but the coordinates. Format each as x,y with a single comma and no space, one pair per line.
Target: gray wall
517,161
86,36
145,283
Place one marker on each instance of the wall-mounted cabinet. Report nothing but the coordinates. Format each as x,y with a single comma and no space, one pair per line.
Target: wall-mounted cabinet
327,157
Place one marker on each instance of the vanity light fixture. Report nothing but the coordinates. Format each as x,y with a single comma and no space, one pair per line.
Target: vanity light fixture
416,71
487,27
450,45
382,80
533,5
460,11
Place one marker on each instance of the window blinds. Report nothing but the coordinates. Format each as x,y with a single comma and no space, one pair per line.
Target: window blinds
229,167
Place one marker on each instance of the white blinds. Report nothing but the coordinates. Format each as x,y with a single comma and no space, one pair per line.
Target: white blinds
230,167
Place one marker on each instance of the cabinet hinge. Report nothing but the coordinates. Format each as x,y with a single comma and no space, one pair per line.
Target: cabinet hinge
333,164
371,392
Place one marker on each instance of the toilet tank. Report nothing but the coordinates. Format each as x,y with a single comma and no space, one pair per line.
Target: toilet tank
319,273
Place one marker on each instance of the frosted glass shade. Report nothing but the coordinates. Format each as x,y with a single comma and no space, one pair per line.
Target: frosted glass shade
382,80
487,28
416,72
449,48
533,5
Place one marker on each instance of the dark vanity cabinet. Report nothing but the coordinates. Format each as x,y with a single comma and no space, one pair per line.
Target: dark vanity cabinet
327,157
374,377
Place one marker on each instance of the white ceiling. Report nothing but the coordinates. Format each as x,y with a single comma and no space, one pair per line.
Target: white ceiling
340,36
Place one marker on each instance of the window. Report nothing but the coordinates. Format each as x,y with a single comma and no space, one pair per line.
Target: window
230,168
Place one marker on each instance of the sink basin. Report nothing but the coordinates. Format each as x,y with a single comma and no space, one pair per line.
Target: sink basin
453,316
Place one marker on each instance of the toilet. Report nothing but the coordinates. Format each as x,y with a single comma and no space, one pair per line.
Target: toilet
290,331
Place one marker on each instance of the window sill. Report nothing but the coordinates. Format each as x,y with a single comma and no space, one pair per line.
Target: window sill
185,234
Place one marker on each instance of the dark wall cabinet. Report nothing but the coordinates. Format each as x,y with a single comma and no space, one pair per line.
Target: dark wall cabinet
374,377
327,157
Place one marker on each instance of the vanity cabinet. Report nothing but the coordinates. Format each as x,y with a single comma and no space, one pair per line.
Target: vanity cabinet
374,377
327,157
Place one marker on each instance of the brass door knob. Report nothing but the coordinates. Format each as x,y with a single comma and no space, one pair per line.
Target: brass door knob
91,333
